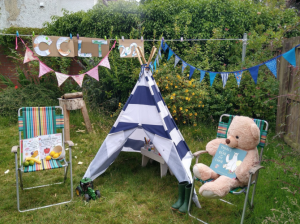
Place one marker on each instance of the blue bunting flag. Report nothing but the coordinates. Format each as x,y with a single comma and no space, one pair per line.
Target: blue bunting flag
177,59
154,65
184,64
290,56
166,47
254,72
202,74
238,76
192,69
170,54
212,76
272,65
157,60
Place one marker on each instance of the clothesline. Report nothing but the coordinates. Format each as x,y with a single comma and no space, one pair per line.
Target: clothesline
24,35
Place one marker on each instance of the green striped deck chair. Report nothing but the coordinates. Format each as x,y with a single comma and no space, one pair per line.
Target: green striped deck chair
34,122
222,133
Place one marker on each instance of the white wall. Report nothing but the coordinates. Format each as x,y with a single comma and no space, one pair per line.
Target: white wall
28,13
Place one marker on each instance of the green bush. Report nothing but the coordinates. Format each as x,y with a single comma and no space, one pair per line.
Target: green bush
265,24
31,95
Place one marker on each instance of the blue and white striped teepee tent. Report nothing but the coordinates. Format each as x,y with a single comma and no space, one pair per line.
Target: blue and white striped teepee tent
145,114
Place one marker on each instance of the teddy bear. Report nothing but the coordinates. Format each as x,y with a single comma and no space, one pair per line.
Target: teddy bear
242,133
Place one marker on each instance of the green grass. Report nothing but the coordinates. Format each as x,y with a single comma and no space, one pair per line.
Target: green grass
135,194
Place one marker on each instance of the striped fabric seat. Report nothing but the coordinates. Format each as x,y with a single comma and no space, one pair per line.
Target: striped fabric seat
223,128
36,121
45,165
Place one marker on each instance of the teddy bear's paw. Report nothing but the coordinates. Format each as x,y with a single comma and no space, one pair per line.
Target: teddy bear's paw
201,171
210,194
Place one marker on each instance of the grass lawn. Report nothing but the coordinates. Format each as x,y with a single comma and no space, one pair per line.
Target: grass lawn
132,194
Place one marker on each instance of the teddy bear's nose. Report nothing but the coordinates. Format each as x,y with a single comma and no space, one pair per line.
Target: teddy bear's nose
227,141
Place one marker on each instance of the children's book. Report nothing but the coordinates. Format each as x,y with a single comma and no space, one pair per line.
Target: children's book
227,159
40,146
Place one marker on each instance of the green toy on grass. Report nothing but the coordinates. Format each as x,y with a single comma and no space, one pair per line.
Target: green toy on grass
85,188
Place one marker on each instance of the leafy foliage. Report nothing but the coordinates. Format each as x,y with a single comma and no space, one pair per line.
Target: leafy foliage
12,99
265,24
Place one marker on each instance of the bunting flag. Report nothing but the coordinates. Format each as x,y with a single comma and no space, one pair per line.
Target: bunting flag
184,64
78,79
290,56
105,62
272,65
44,69
212,76
192,69
159,52
202,74
238,76
166,47
154,65
254,72
29,56
157,60
151,66
177,59
61,78
94,73
170,54
224,76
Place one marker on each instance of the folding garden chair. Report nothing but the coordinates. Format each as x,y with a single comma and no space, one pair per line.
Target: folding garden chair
33,122
222,133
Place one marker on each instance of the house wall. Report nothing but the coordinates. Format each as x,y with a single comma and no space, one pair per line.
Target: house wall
28,13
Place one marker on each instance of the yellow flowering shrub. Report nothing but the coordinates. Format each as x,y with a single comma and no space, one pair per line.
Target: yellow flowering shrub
184,97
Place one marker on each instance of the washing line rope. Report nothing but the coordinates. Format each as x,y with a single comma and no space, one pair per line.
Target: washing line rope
24,35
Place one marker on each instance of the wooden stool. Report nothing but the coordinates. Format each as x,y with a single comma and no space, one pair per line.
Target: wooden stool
151,155
74,101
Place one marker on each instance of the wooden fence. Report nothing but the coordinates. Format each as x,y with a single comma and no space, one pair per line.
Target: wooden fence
288,108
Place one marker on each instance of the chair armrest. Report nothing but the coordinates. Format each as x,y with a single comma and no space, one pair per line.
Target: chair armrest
14,149
253,170
70,143
196,154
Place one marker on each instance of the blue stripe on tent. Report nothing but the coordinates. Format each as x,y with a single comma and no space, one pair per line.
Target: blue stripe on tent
182,149
127,102
122,126
147,79
156,129
161,98
142,96
156,94
134,144
174,123
169,123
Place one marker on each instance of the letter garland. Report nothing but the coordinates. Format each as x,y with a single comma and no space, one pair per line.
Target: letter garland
43,69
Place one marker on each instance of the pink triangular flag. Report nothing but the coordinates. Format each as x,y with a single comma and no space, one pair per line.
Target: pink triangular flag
44,69
105,62
61,78
29,56
78,79
94,73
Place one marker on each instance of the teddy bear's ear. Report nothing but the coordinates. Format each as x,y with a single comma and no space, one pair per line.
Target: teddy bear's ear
255,131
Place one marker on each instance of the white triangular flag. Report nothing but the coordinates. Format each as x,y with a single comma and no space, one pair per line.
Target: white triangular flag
61,78
105,62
